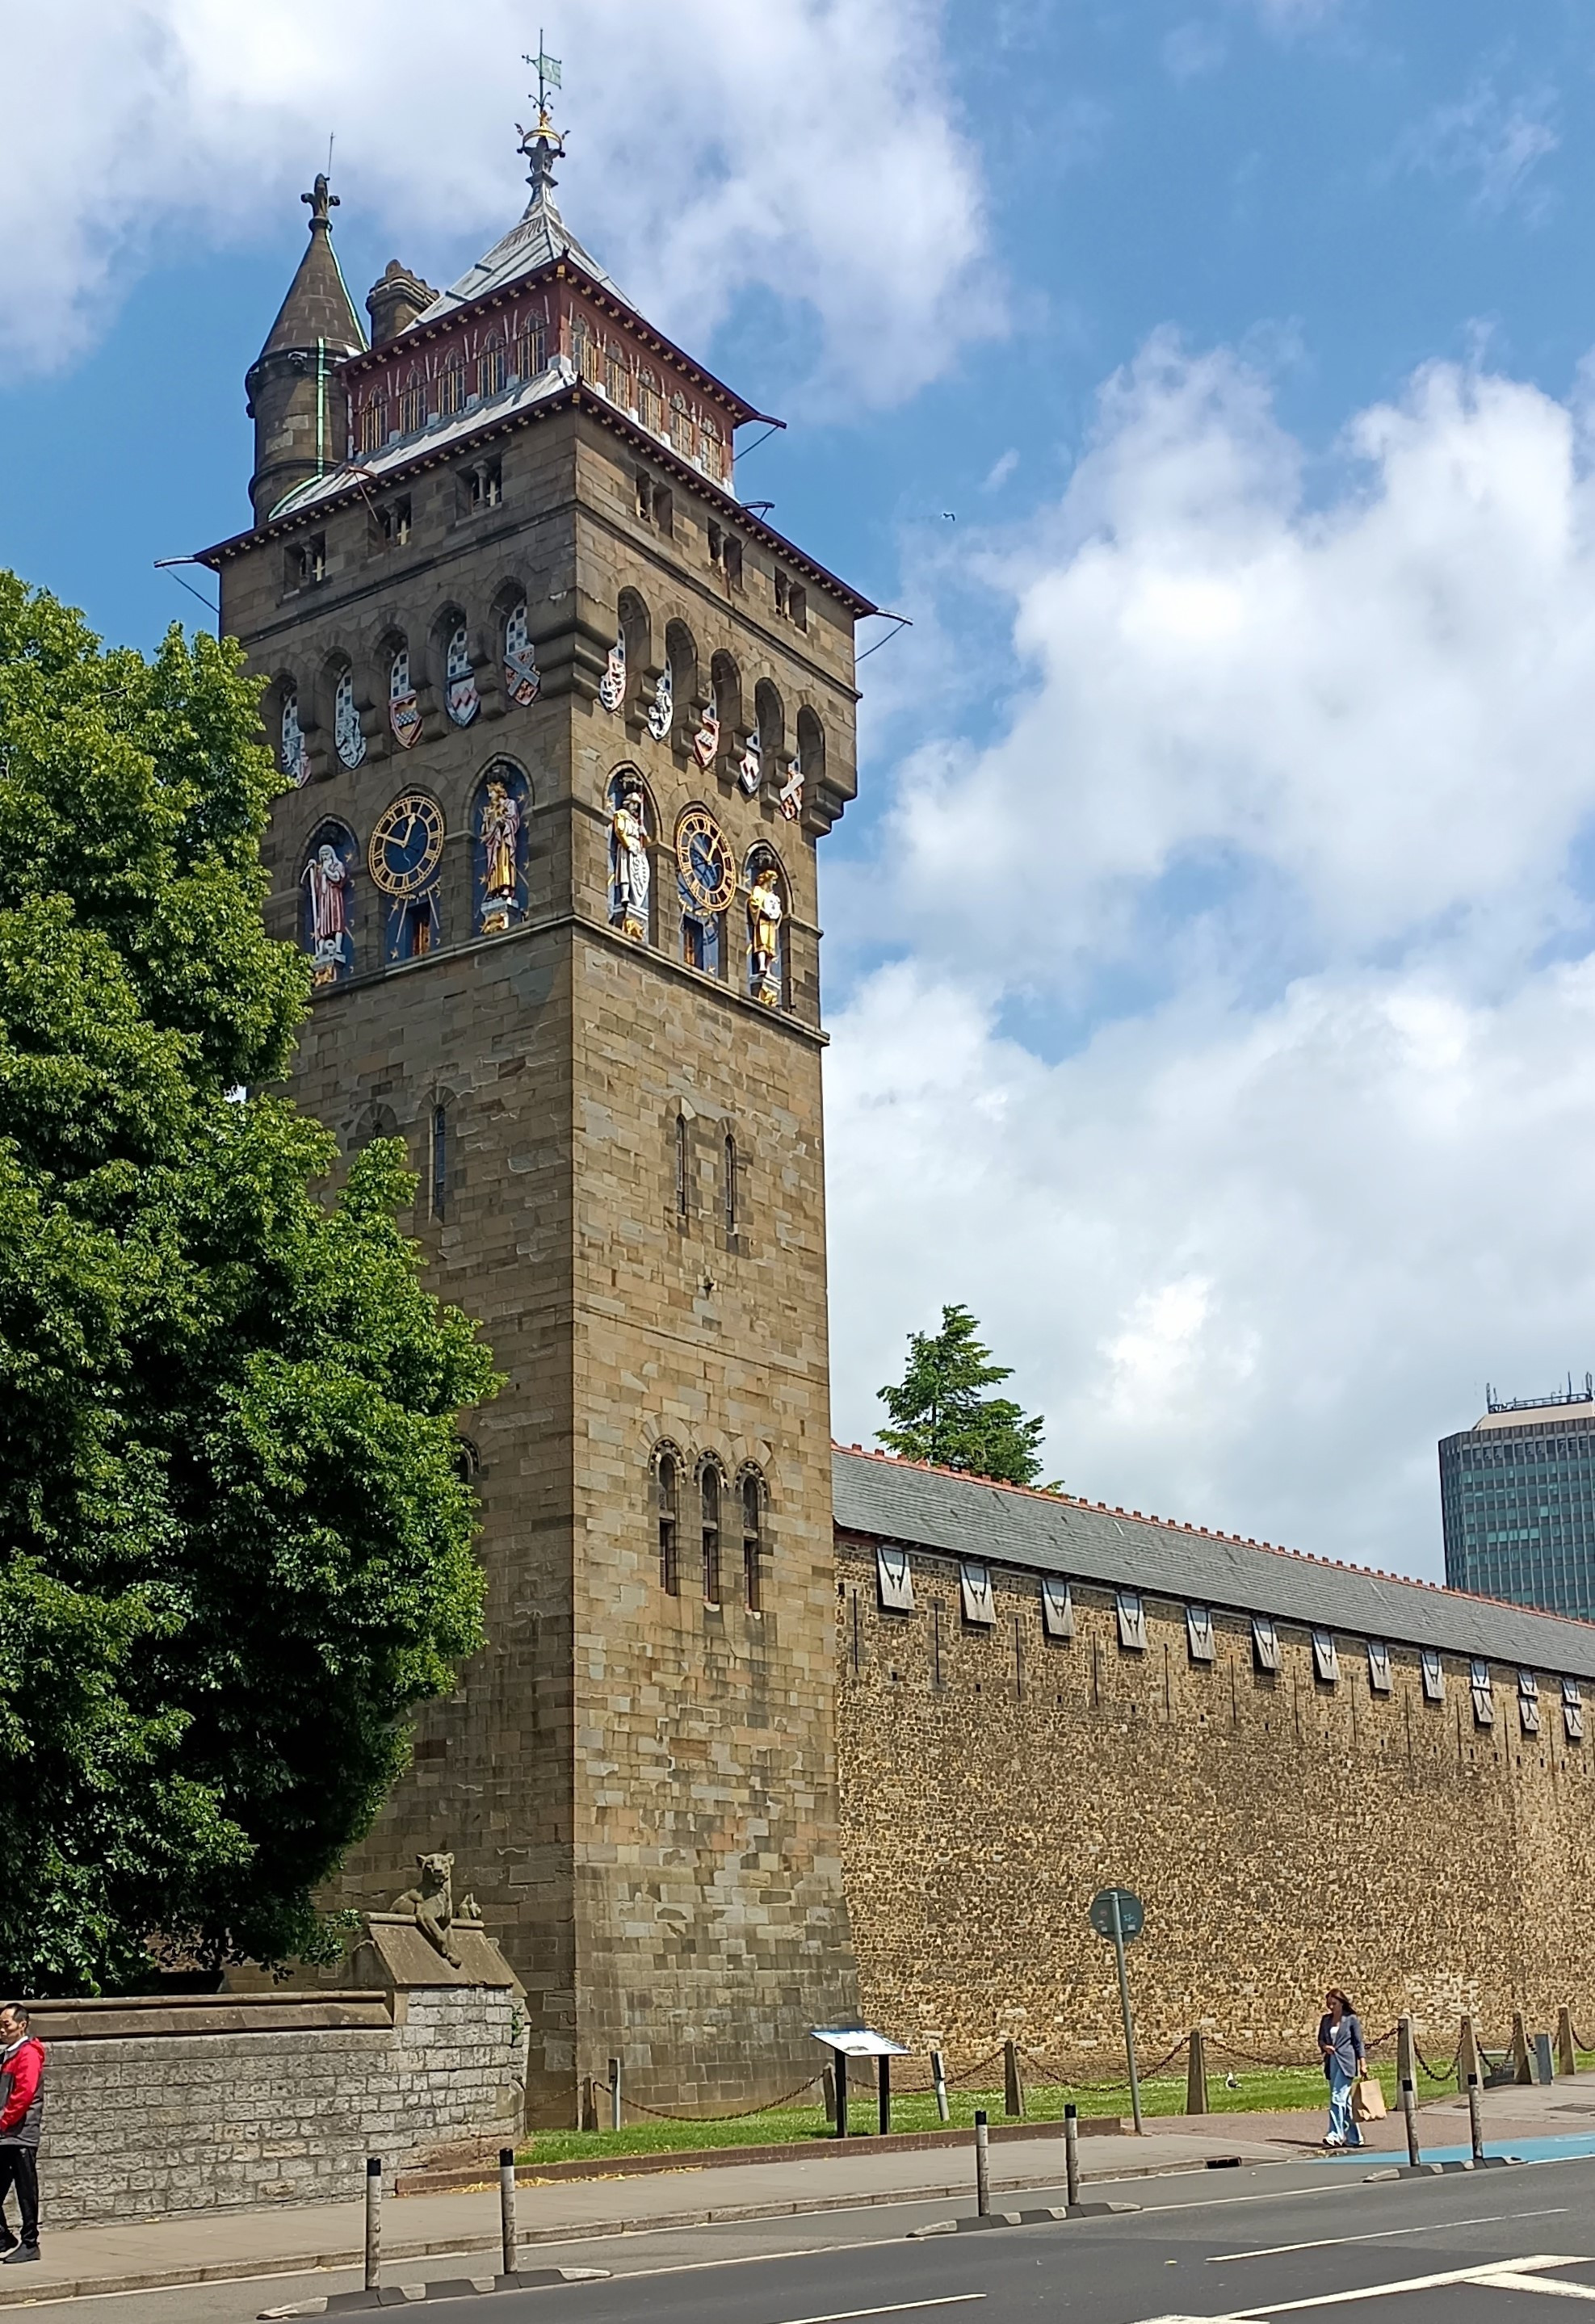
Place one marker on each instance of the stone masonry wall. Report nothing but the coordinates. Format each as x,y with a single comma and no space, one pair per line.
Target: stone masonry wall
1284,1834
145,2124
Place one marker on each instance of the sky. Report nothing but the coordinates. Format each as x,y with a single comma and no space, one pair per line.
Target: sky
1211,951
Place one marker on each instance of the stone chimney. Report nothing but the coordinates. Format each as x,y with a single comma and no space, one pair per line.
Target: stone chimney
395,301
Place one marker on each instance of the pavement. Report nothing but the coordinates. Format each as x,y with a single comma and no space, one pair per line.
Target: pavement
825,2194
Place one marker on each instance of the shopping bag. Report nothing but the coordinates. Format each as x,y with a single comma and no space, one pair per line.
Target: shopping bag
1367,2100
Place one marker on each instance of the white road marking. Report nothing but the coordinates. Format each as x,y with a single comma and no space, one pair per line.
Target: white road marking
1505,2280
1483,2275
897,2308
1382,2235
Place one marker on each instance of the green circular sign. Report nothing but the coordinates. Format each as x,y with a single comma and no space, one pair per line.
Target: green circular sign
1132,1912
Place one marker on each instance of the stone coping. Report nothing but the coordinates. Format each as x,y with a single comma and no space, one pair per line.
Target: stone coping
146,2015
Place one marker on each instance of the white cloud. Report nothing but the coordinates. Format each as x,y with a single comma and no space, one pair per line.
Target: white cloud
1285,813
802,147
1496,140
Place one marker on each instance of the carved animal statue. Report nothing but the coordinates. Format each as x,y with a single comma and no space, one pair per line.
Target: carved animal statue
431,1901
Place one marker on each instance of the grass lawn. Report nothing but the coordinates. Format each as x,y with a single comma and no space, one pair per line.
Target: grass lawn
1257,2091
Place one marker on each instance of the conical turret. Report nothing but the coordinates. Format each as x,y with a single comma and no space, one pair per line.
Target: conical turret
299,411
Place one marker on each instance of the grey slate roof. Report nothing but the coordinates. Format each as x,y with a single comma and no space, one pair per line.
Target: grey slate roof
960,1516
539,236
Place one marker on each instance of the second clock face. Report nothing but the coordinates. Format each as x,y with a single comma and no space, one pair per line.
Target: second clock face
704,860
407,845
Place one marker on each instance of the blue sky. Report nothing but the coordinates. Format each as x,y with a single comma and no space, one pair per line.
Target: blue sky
1210,952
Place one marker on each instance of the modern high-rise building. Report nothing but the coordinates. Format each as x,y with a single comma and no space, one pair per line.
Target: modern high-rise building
1517,1501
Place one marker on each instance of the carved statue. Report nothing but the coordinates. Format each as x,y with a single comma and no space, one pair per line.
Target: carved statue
431,1903
500,831
629,866
765,913
327,876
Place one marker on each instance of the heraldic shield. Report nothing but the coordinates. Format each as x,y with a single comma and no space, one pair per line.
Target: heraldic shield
404,712
522,678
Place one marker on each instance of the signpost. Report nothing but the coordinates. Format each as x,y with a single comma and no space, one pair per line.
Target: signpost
1118,1913
845,2041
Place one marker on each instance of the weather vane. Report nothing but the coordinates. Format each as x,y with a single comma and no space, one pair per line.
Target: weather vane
547,69
542,145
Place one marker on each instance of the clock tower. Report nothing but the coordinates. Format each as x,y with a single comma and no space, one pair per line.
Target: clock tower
561,722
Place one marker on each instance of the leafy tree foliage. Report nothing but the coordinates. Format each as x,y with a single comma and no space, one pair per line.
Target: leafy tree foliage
234,1544
941,1416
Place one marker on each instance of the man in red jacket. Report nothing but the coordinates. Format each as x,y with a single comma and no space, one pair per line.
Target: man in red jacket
21,2111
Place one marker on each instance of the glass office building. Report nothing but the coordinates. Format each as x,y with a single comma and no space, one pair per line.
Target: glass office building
1517,1501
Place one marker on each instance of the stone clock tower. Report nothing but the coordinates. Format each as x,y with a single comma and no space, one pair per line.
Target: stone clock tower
563,722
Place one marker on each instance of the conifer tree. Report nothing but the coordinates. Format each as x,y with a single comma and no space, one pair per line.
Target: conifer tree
235,1542
940,1414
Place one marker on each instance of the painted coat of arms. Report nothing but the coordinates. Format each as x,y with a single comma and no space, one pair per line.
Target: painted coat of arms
749,770
521,675
404,712
611,685
705,742
790,798
661,710
464,700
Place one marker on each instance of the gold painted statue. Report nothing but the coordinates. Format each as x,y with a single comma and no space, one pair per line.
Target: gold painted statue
500,833
766,912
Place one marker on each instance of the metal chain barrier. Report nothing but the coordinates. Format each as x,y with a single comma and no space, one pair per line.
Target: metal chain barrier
740,2114
1060,2076
1444,2073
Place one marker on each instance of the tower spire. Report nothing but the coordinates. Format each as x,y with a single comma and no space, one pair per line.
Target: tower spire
300,419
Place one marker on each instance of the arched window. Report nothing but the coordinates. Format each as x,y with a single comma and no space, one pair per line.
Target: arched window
294,757
372,431
711,449
710,1490
683,1184
439,1170
349,736
617,376
492,368
412,404
531,356
681,430
731,1188
725,688
584,348
650,409
451,387
681,654
666,1493
752,1497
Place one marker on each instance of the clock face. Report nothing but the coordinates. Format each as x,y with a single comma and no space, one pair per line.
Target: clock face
704,860
407,845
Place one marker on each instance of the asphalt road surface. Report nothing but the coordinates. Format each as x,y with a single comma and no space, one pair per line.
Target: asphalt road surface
1274,2241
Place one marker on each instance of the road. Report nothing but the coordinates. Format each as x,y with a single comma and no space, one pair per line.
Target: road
1275,2241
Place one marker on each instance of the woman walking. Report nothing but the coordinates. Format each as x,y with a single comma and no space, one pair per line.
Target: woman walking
1345,2056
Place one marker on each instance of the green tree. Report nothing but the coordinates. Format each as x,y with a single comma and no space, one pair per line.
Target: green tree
940,1414
235,1542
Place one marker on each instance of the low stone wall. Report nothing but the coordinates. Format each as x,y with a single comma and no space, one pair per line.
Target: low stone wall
168,2105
